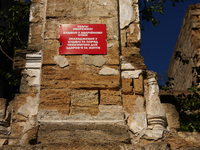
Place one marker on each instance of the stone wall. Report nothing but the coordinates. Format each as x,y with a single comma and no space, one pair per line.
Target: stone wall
89,98
188,44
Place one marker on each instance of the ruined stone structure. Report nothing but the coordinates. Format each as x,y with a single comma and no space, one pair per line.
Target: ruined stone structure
85,101
189,46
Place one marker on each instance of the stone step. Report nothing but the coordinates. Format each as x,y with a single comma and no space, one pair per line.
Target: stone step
85,132
89,146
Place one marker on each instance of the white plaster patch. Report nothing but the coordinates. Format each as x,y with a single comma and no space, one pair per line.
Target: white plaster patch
97,61
106,71
61,61
126,12
33,76
131,74
137,122
30,108
127,66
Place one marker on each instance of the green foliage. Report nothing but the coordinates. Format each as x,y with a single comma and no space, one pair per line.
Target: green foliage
13,35
150,8
188,105
15,21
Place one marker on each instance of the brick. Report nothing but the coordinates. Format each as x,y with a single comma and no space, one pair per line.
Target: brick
110,97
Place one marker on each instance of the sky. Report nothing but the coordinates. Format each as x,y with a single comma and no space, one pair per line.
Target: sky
158,42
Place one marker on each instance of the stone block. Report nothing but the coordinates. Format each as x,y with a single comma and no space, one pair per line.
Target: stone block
76,8
35,43
61,61
112,57
102,8
35,29
123,39
84,97
92,110
135,60
193,137
138,85
52,26
139,105
113,113
127,51
129,102
78,77
36,12
172,116
111,28
111,108
108,71
126,13
134,36
3,103
30,107
86,136
127,66
127,86
131,74
52,29
51,48
56,8
55,99
137,122
97,61
110,97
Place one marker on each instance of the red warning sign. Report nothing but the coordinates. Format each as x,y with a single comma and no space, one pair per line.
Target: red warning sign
82,39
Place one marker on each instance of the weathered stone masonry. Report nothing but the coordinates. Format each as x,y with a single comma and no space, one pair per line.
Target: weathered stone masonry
102,98
188,44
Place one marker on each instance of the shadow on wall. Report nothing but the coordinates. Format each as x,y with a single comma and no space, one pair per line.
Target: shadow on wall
1,88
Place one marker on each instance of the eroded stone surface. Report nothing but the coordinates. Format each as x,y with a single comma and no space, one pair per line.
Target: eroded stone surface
30,108
97,61
137,122
107,71
131,74
84,97
3,102
126,15
61,61
172,116
190,136
127,66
